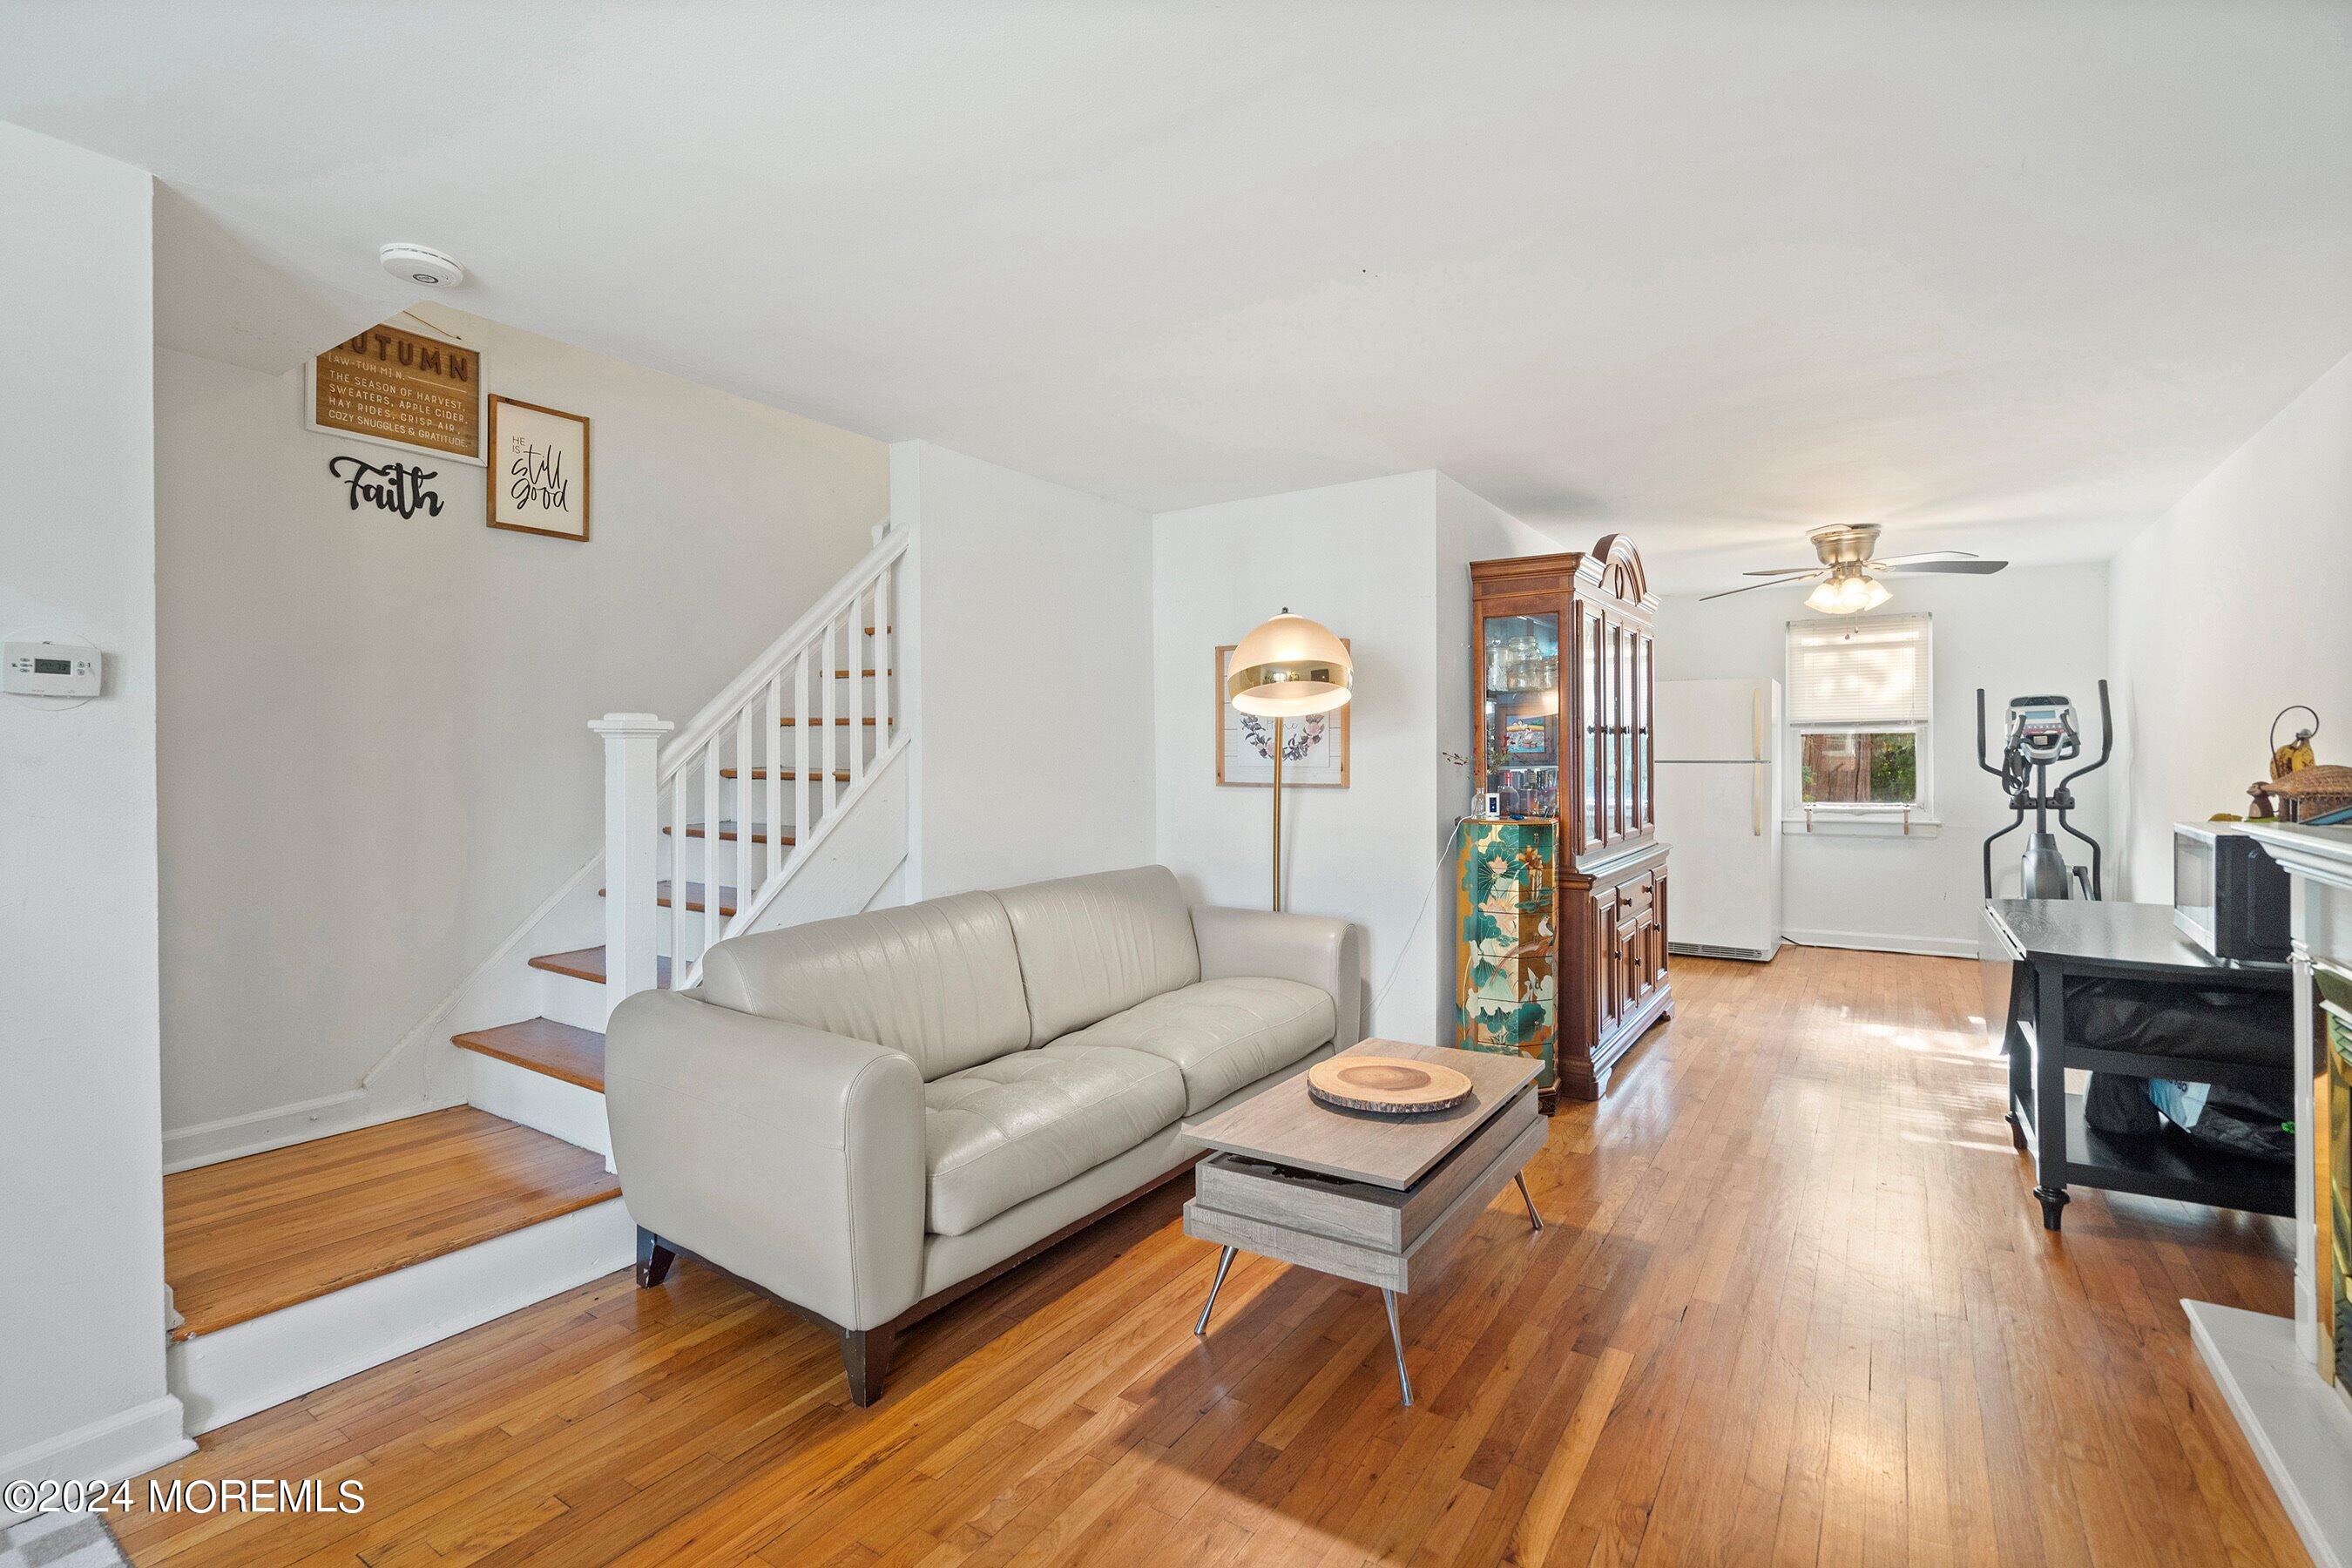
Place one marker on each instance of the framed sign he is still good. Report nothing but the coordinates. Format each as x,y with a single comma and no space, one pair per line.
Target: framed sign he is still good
539,470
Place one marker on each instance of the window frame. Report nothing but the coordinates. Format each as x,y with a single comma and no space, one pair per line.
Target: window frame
1860,818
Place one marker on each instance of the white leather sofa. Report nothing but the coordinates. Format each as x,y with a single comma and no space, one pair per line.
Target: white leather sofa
866,1118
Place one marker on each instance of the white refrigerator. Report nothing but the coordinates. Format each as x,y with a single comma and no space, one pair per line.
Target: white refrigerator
1719,807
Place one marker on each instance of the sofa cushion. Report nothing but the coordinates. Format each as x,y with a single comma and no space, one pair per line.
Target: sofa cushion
1005,1130
1222,1034
1092,946
938,981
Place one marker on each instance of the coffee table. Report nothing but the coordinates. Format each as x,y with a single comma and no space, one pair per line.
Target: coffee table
1376,1199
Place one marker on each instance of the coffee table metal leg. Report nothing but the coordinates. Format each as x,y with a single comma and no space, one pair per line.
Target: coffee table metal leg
1215,1285
1533,1218
1396,1338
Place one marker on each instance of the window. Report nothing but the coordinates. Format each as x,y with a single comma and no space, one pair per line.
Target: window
1858,709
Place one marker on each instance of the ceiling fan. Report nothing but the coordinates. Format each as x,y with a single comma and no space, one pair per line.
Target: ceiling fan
1844,582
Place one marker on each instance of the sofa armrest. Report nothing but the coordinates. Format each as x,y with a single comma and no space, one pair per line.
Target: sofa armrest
1313,950
786,1154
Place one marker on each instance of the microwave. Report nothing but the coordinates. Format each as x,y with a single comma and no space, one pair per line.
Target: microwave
2228,895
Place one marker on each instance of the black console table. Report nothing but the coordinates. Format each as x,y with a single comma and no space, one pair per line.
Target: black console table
2032,948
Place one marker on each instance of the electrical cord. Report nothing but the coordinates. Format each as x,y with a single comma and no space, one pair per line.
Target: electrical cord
1436,873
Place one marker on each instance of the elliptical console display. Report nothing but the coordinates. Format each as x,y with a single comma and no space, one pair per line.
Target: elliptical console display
2041,730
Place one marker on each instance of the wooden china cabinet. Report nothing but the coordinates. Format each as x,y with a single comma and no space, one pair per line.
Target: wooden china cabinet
1563,678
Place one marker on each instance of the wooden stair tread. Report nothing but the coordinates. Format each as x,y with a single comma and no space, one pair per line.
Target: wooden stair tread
791,723
561,1052
254,1235
588,964
841,775
695,897
845,674
728,833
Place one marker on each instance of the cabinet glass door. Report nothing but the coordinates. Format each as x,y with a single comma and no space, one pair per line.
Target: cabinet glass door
1643,767
1521,741
1590,686
1612,769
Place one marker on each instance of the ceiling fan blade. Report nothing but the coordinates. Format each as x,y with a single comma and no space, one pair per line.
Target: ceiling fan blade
1783,571
1924,556
1749,589
1974,568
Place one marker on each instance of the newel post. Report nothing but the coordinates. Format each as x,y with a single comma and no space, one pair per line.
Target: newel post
632,851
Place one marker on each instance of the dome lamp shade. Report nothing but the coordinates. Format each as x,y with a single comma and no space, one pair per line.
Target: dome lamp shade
1289,667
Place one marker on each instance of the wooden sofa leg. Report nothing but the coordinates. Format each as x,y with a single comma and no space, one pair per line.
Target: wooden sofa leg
654,1259
866,1357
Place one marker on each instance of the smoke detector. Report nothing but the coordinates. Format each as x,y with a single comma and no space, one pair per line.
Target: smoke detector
422,264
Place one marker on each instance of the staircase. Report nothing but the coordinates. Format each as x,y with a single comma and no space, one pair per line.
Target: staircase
784,800
709,833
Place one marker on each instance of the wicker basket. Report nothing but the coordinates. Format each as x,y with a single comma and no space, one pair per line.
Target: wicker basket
2312,792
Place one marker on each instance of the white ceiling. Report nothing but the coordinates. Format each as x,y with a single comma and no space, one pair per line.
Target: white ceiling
2006,275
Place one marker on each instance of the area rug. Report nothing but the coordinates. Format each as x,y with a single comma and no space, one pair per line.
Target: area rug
60,1540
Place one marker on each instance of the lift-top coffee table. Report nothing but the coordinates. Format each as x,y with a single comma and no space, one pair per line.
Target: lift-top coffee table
1376,1199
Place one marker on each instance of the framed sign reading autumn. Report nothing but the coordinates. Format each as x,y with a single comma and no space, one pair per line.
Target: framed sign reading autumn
400,388
539,470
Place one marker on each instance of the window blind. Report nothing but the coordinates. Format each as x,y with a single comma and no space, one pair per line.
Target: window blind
1871,670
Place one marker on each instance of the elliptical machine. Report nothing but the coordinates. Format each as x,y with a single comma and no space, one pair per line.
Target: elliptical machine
2042,731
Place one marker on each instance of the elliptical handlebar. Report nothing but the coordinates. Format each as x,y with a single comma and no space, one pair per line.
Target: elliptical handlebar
2106,738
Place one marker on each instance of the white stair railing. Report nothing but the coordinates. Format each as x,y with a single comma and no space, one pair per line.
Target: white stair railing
834,673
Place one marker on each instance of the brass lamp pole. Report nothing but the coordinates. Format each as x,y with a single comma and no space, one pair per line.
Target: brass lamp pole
1288,668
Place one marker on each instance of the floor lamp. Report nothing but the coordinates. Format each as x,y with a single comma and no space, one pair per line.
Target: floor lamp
1290,668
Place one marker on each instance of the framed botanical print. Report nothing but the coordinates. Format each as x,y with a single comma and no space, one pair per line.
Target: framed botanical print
539,470
1314,749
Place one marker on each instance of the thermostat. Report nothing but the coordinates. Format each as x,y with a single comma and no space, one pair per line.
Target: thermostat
50,670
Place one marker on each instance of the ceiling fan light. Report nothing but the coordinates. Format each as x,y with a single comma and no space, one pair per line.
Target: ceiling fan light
1847,593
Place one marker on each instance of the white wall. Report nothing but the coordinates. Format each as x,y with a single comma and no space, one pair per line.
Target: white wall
374,730
2027,629
81,1301
1031,622
1382,563
2226,610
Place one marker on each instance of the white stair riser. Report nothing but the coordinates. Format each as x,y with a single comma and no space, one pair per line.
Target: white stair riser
226,1376
547,1104
567,1000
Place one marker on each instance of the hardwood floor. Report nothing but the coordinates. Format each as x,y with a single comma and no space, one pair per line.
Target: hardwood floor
1793,1304
257,1234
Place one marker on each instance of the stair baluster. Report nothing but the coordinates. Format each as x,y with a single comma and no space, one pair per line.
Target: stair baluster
795,684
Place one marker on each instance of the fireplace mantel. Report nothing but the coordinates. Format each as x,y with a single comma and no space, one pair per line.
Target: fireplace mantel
2298,1419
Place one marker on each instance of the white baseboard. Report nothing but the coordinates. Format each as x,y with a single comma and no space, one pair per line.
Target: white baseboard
228,1375
1874,941
122,1446
560,1109
2299,1429
233,1138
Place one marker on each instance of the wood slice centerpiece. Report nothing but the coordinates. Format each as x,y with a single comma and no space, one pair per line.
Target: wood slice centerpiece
1391,1086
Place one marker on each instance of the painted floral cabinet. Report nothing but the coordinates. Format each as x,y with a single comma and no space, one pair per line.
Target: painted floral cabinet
1563,769
1508,995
